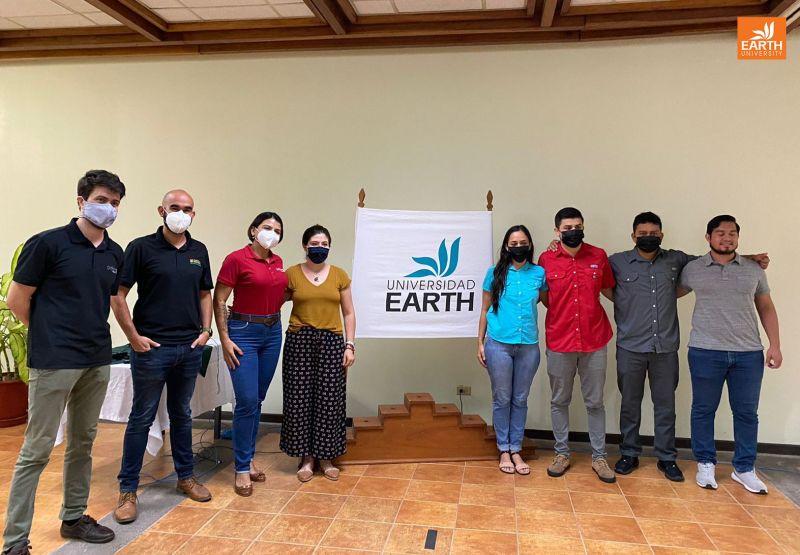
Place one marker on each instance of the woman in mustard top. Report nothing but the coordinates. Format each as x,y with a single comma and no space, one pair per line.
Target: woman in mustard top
316,355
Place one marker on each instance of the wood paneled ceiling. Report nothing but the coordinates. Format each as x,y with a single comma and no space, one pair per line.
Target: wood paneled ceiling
37,29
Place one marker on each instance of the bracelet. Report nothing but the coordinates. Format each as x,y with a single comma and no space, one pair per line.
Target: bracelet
351,347
209,331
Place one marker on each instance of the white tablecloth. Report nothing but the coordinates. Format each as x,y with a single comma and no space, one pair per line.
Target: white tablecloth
212,390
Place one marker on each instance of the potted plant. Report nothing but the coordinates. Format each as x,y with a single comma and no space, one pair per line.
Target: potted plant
13,358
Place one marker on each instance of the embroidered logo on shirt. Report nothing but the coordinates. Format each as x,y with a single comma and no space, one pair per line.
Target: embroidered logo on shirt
594,266
112,269
195,262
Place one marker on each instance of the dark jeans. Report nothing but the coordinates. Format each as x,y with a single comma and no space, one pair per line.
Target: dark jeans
175,366
661,369
742,371
261,345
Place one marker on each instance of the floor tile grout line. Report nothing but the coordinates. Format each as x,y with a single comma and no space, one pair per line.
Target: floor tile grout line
636,519
577,521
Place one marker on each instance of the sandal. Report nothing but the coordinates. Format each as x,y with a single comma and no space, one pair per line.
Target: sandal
257,475
304,474
244,491
506,467
331,473
522,468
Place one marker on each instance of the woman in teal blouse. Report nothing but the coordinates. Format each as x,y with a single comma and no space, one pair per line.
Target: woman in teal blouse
508,341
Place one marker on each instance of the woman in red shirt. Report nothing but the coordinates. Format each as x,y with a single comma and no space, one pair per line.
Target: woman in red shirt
251,334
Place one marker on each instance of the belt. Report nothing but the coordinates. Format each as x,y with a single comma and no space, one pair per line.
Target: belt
268,320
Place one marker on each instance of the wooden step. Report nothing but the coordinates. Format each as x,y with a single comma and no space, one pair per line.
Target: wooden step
367,423
445,409
472,421
418,399
393,411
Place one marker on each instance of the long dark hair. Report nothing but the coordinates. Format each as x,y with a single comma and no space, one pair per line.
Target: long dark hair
501,268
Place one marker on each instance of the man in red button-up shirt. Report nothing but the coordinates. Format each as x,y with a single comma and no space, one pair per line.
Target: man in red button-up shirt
577,331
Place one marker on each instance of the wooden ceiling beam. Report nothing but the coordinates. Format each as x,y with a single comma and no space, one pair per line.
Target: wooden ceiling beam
778,7
331,13
672,17
629,7
530,8
548,12
134,16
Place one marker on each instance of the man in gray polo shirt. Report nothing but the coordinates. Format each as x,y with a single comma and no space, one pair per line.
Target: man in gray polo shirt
725,347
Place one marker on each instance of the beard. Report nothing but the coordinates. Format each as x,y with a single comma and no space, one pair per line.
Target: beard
731,251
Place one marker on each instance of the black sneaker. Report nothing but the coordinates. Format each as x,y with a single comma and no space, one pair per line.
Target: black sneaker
21,548
626,465
671,470
87,529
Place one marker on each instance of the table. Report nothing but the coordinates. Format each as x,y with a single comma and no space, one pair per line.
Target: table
211,392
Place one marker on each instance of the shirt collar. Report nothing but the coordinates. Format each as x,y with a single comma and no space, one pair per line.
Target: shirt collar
248,252
708,260
76,236
523,268
633,255
166,244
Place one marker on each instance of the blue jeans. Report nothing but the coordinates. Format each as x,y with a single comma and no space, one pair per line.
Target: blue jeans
175,366
743,372
511,371
261,345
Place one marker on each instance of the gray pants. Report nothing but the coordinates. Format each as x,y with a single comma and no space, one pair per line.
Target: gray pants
662,371
591,367
49,391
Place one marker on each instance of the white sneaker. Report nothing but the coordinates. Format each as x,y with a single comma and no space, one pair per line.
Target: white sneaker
705,475
750,481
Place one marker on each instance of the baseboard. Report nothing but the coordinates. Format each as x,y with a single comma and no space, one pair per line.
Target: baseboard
582,437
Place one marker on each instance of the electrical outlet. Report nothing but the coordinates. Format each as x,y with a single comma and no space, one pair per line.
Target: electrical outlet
463,390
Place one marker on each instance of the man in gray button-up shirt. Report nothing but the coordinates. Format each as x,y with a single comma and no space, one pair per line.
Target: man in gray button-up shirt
648,337
732,294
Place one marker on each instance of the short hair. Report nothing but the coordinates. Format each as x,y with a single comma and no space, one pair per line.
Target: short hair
567,214
316,229
646,218
258,220
99,178
714,223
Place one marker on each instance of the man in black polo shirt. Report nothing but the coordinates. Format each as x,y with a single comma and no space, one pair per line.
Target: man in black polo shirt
171,323
61,290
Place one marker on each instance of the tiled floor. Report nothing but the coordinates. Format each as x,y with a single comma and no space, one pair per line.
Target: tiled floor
473,508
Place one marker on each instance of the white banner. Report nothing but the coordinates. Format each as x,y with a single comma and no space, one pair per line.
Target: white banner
420,274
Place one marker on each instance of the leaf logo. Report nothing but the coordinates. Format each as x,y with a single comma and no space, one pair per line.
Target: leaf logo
766,34
443,267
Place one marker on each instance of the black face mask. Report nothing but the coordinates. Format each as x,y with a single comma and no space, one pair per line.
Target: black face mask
572,238
318,255
648,243
519,254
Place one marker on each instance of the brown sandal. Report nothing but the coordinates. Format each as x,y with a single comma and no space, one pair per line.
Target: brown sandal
244,491
258,476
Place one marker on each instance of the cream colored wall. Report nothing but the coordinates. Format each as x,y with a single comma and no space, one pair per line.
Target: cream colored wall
678,126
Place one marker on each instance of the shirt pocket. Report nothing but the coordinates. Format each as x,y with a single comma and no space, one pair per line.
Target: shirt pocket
557,281
592,277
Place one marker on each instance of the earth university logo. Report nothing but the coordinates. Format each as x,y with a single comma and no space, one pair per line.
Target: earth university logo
762,38
432,295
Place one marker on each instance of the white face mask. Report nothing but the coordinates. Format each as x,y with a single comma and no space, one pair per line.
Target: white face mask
267,238
178,222
101,215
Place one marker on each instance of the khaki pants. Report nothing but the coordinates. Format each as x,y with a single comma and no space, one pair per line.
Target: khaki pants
49,391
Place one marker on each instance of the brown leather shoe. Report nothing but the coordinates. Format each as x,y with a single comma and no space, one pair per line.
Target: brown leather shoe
194,489
127,509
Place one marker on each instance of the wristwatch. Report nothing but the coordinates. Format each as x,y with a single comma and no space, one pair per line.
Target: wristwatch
209,331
